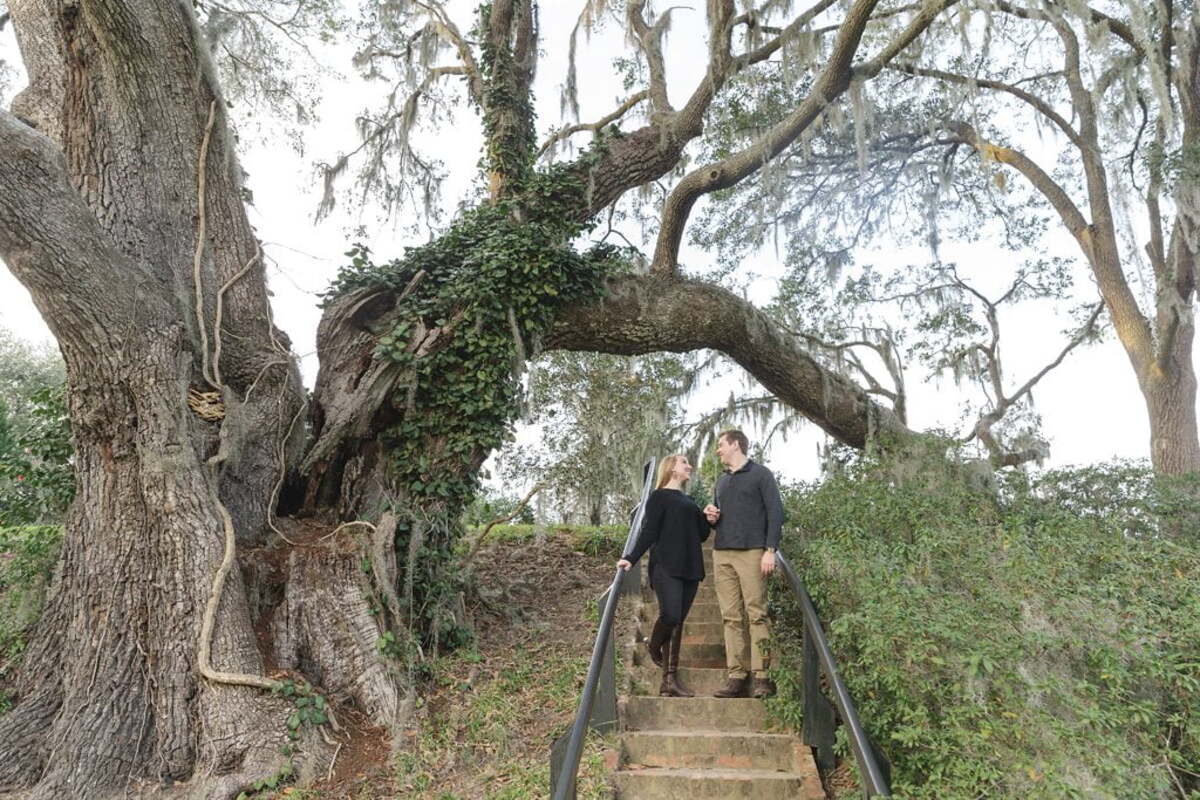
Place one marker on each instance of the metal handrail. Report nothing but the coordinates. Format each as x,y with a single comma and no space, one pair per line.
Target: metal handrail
569,769
871,766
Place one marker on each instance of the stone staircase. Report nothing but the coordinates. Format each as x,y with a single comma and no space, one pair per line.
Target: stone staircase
702,747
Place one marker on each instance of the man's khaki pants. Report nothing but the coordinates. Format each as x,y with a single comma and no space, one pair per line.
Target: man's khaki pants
742,594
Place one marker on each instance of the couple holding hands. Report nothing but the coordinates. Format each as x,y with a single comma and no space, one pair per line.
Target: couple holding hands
747,513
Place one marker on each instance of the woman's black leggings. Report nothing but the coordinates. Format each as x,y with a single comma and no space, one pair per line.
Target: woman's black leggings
675,596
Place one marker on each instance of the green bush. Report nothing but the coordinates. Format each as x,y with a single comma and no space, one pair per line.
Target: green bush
591,539
1040,640
36,477
27,558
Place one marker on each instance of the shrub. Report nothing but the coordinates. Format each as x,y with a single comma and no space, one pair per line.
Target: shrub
36,477
1038,641
27,558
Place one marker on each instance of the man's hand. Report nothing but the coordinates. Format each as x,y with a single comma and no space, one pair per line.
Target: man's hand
768,562
623,564
712,513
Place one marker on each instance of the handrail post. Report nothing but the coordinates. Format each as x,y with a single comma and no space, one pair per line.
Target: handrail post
817,726
875,782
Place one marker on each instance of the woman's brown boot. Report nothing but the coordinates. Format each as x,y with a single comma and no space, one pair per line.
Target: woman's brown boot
672,661
658,637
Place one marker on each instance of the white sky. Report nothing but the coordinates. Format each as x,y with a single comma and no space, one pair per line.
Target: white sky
1091,407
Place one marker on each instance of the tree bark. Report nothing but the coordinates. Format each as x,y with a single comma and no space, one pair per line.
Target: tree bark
124,219
647,314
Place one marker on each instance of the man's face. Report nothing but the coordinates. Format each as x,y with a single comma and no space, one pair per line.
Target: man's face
727,451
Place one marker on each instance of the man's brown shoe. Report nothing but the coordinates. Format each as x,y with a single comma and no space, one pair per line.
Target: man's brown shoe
734,687
763,688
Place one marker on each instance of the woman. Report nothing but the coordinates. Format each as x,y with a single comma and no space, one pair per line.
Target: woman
673,527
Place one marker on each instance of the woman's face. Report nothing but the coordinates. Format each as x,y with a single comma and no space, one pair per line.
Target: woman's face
682,470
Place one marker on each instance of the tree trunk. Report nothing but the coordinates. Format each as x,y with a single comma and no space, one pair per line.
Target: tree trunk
183,401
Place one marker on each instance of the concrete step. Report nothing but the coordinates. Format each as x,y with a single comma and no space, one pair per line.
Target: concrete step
702,611
711,750
701,680
693,633
701,784
642,713
694,654
702,654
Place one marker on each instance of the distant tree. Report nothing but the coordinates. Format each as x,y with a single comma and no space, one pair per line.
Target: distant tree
36,477
600,417
26,369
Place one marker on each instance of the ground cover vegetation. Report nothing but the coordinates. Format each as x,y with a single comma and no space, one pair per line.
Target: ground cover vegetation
1032,639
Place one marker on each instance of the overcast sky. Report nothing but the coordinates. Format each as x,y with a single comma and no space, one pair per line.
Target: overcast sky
1090,405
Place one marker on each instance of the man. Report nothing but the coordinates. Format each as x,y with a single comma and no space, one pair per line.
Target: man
748,514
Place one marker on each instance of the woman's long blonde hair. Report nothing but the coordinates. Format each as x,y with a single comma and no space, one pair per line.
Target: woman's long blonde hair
665,468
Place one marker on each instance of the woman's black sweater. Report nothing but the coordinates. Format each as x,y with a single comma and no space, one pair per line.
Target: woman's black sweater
673,528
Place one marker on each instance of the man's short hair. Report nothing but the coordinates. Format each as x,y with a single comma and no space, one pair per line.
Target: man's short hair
734,435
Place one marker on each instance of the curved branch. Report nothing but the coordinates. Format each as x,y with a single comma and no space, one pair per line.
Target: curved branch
594,127
645,314
833,80
1115,26
54,245
1068,212
1033,100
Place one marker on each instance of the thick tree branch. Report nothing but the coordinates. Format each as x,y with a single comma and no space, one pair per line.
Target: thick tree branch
1068,212
833,80
1132,327
53,243
649,39
645,314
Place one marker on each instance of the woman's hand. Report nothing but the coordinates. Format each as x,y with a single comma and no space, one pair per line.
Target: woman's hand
623,564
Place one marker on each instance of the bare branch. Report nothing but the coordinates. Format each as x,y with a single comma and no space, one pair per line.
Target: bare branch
497,521
983,428
594,127
404,117
650,40
1033,100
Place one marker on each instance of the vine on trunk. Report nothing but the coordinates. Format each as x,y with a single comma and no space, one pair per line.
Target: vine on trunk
471,308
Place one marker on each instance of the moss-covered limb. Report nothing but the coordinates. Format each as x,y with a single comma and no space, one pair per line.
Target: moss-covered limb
421,364
508,43
644,314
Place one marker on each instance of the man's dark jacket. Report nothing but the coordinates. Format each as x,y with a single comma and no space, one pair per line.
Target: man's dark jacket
751,509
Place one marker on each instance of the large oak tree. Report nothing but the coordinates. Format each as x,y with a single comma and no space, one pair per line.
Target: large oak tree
122,212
